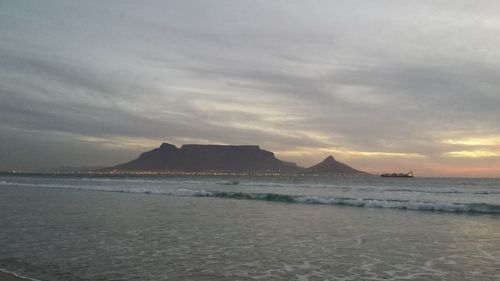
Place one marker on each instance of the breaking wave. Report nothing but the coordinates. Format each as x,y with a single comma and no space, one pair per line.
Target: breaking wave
479,208
17,275
483,208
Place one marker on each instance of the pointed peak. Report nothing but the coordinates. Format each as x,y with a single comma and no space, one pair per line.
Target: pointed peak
332,166
329,158
167,146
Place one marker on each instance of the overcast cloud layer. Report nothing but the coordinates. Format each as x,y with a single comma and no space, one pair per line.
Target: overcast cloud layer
381,85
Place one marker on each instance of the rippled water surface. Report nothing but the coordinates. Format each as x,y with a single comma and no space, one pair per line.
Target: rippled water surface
67,228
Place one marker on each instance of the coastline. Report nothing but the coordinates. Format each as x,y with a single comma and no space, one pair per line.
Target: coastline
11,276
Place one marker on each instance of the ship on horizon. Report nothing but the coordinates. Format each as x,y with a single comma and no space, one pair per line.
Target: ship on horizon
409,174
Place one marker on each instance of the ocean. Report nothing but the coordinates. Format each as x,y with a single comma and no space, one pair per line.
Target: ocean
249,228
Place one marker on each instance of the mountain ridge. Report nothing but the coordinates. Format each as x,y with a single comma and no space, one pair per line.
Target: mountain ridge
214,158
207,158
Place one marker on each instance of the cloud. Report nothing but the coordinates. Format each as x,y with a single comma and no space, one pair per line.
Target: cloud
371,82
482,153
475,141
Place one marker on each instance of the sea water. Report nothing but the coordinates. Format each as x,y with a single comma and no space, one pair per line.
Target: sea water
245,228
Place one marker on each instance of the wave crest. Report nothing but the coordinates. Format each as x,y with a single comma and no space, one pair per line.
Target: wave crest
359,202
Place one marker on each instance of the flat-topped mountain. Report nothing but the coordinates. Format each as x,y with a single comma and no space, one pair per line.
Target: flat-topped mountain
207,158
330,166
198,158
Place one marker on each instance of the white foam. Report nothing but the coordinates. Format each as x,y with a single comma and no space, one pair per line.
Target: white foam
18,275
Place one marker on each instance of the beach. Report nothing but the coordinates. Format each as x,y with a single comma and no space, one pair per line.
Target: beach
65,229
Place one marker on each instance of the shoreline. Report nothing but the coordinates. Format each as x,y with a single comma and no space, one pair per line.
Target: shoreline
12,276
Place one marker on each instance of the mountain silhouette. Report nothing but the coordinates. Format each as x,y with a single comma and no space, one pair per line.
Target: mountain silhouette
207,158
332,166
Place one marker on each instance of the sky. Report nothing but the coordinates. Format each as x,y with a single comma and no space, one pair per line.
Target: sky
384,86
